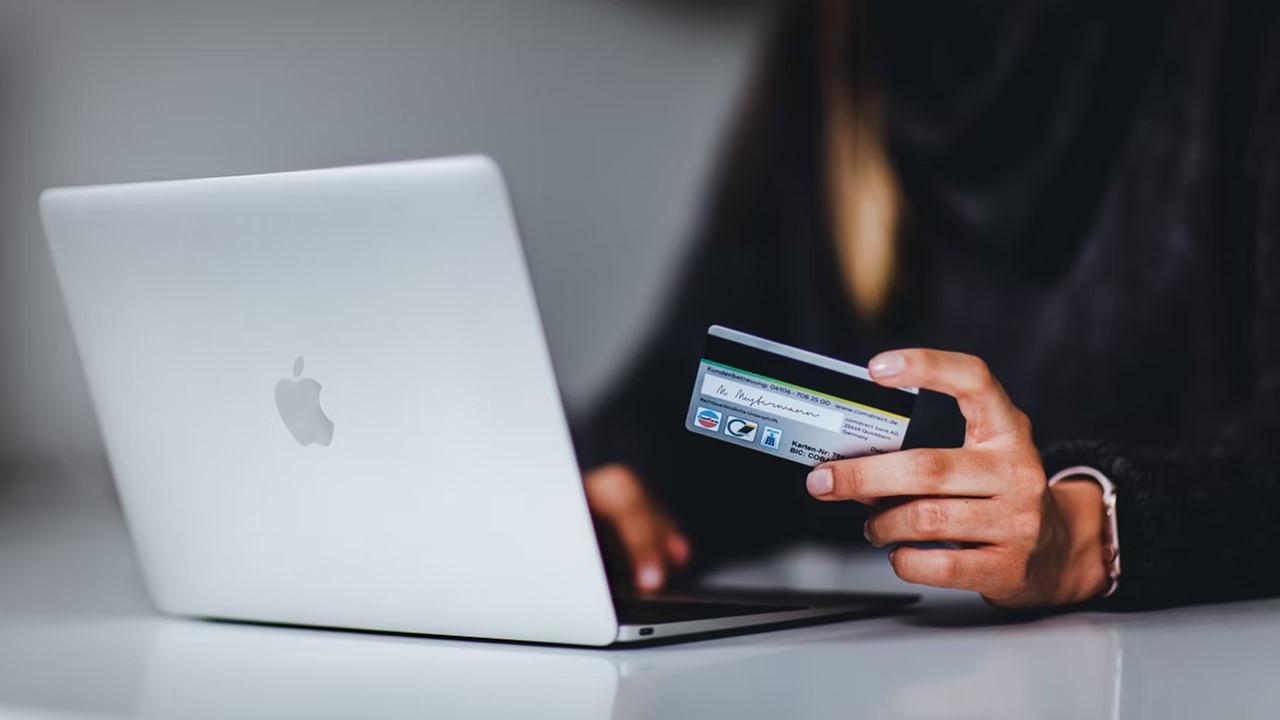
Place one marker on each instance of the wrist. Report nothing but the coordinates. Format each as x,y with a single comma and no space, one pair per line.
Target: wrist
1084,571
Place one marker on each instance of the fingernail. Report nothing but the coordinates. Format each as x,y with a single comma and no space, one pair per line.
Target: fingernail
820,481
891,552
649,577
866,530
887,365
679,548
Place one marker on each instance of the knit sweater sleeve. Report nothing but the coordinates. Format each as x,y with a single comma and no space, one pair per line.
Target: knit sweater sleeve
1202,523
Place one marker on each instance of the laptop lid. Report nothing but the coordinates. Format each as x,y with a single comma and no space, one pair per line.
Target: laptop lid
327,400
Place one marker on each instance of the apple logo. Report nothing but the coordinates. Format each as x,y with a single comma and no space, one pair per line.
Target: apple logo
298,401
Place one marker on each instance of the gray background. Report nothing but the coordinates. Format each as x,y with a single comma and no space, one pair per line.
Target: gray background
605,114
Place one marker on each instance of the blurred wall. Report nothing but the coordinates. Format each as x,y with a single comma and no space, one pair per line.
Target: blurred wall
605,115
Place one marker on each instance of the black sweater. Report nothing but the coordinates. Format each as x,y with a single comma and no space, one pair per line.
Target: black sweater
1093,194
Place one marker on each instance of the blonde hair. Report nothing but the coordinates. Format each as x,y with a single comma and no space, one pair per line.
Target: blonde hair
864,196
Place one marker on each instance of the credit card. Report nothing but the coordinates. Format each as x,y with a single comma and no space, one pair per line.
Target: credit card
791,403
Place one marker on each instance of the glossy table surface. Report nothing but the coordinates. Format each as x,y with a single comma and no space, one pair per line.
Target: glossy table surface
78,639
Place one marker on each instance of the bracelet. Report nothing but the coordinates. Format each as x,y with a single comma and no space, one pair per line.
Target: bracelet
1112,547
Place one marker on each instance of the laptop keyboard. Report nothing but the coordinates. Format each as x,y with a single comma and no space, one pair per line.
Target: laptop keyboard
638,611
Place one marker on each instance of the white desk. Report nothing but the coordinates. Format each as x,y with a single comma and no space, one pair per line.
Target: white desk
77,639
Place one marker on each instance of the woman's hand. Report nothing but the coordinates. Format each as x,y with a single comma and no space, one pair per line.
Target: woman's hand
651,544
1018,543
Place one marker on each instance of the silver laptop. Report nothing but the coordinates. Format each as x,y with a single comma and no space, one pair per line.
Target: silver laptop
327,400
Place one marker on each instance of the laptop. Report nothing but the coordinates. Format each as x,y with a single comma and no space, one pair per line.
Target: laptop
327,400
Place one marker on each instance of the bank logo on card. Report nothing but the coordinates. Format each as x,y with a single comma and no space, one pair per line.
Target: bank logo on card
708,419
771,438
741,429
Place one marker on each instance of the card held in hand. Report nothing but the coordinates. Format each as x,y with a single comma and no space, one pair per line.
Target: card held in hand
792,403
